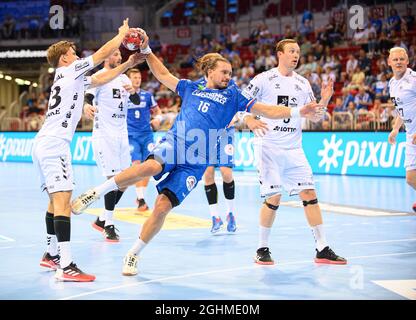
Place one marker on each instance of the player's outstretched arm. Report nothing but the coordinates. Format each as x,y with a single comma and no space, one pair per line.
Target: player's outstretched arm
310,110
107,49
106,76
158,69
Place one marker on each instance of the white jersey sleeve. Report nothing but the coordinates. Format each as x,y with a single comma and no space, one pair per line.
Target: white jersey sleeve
81,66
254,88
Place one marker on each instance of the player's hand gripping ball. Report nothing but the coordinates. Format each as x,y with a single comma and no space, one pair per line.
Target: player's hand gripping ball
132,40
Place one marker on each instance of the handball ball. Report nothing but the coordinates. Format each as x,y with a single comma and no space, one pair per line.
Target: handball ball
132,40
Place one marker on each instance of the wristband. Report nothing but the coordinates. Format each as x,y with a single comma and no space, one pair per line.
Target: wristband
295,113
146,50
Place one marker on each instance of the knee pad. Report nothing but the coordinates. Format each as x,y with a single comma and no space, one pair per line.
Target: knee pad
270,206
313,201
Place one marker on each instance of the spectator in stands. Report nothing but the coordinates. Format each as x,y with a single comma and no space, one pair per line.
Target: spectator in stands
234,37
362,100
346,97
360,36
259,62
269,60
384,42
364,62
155,43
381,89
265,36
327,75
301,66
393,21
24,113
375,21
152,85
207,27
339,105
8,27
305,29
409,19
311,63
307,16
372,44
357,79
255,34
352,64
305,47
247,71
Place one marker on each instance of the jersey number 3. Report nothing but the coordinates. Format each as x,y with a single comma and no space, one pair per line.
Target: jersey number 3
56,97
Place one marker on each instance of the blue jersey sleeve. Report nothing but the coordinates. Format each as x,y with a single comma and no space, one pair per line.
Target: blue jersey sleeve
181,87
244,101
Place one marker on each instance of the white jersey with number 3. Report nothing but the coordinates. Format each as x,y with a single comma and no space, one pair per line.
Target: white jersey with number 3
66,100
111,101
403,95
271,87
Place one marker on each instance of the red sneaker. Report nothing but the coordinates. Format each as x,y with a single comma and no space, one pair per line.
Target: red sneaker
141,205
73,273
48,261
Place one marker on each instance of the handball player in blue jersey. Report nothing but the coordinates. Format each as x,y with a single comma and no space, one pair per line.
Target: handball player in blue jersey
139,126
183,155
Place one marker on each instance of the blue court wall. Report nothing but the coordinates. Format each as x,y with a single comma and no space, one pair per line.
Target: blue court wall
345,153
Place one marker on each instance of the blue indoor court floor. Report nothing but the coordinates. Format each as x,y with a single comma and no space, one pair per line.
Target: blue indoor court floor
368,220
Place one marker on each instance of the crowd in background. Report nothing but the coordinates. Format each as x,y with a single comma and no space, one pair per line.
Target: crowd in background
361,78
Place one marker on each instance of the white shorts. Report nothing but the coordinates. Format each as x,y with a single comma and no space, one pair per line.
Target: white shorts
112,154
280,169
52,159
410,157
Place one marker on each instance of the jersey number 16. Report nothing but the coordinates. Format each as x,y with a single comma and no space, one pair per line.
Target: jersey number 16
203,106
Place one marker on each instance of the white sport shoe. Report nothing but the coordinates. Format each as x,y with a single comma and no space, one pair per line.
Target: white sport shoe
130,265
84,201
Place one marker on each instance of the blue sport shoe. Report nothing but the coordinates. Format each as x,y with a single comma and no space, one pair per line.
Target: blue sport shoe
216,224
231,225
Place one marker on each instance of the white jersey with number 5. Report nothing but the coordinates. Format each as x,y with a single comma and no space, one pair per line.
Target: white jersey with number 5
271,87
403,95
66,100
111,101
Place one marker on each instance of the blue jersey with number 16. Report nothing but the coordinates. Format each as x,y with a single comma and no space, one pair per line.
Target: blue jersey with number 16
205,110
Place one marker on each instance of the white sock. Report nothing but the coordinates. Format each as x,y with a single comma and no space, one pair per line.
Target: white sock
52,248
137,247
319,235
102,216
107,186
230,206
108,217
213,210
264,236
65,253
140,192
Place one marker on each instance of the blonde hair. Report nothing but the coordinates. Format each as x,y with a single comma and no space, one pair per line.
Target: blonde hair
209,62
397,49
56,50
280,46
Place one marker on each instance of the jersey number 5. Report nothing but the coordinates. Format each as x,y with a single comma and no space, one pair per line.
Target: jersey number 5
203,106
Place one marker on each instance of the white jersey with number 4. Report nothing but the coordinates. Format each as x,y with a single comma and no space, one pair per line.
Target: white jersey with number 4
403,95
271,87
66,100
111,101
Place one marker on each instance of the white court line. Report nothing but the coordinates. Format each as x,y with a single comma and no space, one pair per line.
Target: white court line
190,275
6,238
383,241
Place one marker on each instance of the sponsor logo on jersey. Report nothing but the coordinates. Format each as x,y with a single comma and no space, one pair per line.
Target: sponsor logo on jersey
297,88
284,129
273,77
305,184
60,76
277,86
190,182
81,65
283,100
293,102
300,80
116,94
75,96
65,124
215,96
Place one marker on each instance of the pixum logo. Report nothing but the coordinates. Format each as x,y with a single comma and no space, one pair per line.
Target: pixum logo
359,154
330,153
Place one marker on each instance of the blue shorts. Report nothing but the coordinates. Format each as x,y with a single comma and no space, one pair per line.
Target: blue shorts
181,179
141,144
225,150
